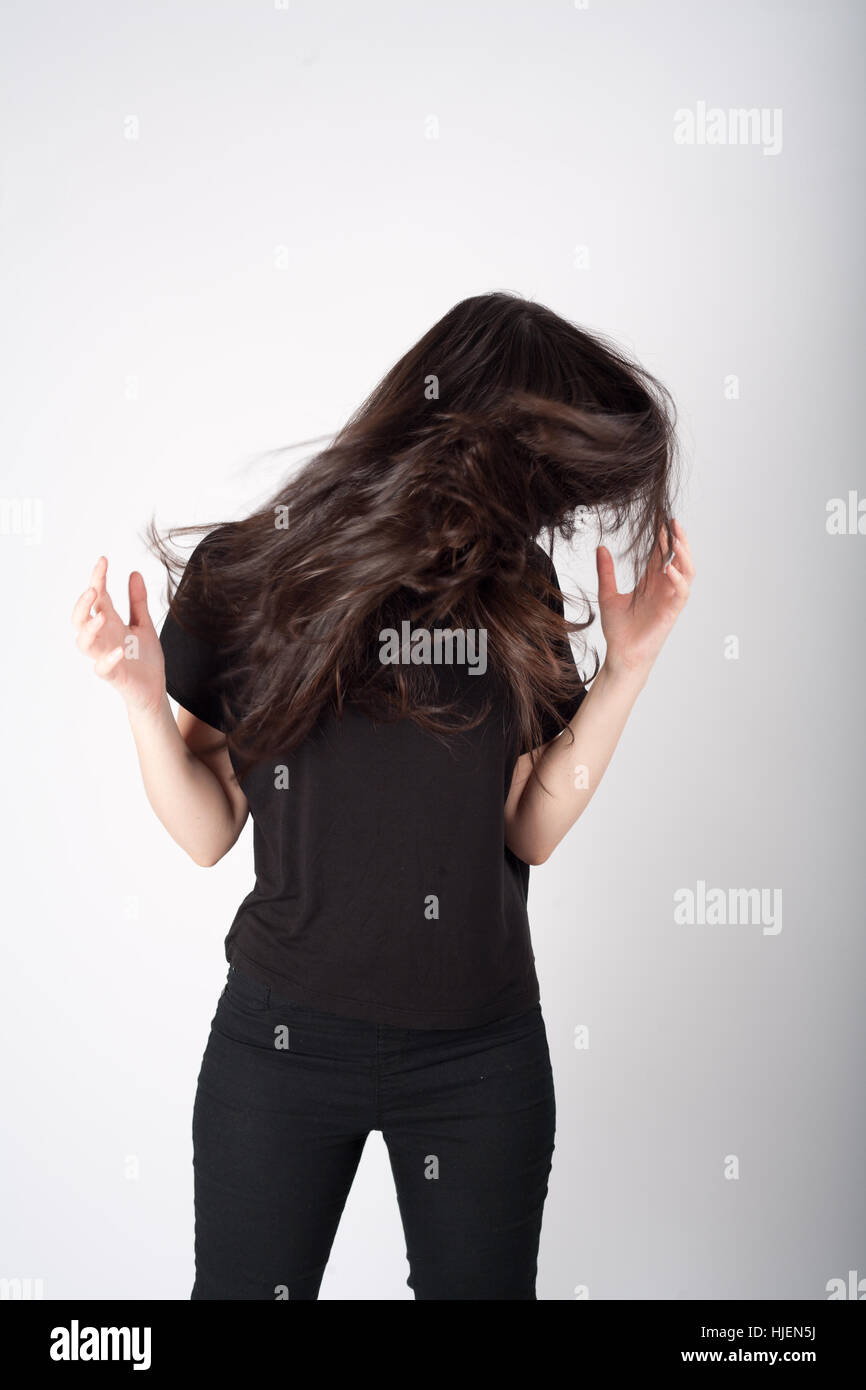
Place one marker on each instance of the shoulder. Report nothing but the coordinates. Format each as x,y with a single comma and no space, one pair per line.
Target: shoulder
540,559
211,547
204,571
541,562
202,600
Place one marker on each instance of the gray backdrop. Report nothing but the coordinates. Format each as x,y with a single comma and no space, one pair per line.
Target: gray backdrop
221,223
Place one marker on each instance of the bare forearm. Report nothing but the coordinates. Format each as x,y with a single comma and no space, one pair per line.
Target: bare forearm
573,765
186,796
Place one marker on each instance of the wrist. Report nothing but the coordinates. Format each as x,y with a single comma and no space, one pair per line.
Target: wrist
143,717
624,675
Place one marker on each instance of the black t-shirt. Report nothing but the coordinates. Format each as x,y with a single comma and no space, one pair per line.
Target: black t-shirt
384,890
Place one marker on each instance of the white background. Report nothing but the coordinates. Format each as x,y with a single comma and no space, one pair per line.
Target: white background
237,278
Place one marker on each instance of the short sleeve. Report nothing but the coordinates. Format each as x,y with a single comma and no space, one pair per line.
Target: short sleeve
566,709
193,666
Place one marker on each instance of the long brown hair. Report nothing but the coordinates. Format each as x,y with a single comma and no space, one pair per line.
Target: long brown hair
503,424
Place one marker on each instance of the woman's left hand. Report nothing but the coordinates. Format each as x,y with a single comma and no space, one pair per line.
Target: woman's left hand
635,633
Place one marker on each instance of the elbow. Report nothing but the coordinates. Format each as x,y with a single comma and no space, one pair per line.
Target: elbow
533,855
205,861
527,851
207,858
537,858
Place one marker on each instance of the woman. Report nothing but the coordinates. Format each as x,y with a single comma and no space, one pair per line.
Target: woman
377,667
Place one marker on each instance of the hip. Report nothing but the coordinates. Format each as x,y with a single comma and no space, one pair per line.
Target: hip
269,1053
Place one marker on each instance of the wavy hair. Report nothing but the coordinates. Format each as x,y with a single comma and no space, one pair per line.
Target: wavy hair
503,424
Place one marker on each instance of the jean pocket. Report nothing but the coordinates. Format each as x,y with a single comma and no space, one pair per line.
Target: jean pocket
246,993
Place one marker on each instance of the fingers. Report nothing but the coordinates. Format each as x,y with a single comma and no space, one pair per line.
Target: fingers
661,553
678,581
680,571
82,606
92,594
108,665
97,577
102,602
682,553
606,574
138,610
89,631
92,612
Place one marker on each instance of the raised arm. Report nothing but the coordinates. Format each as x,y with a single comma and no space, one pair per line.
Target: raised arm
188,777
537,816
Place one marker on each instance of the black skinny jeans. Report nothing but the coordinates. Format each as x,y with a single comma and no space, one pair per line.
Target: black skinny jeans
286,1098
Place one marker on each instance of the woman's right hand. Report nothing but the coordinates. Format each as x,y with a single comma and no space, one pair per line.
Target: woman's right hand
129,656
